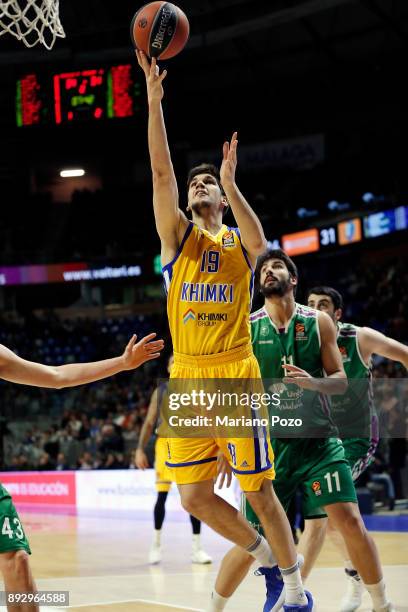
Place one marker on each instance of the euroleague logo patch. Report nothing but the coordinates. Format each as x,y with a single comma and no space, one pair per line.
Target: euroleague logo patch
300,331
228,239
344,354
317,488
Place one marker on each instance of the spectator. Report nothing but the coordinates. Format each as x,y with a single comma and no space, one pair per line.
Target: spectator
111,440
45,463
61,463
86,462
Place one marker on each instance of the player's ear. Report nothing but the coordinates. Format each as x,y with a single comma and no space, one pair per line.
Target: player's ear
338,313
225,204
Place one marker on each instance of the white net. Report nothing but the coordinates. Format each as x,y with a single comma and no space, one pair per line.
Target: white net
32,21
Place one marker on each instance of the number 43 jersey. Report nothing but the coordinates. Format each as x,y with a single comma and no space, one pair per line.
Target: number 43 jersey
209,288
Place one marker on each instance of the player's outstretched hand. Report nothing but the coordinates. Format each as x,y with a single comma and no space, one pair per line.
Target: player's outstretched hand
154,79
229,161
137,353
141,460
299,377
224,471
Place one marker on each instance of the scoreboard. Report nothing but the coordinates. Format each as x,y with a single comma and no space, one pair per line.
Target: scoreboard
79,95
346,232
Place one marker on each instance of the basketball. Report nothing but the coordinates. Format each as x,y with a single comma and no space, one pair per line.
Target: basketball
160,29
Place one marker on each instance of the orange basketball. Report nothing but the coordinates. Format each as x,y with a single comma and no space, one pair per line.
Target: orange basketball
160,29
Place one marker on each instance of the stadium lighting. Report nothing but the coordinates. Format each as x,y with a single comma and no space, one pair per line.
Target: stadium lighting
333,205
302,213
72,173
368,197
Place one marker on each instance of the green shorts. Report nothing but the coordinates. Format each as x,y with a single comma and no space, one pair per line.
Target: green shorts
359,453
317,467
12,536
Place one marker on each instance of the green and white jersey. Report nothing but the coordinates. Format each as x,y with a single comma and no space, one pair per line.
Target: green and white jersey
297,344
354,412
353,362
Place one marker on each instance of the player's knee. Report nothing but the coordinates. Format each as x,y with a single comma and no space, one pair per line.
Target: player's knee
194,503
260,502
316,527
352,526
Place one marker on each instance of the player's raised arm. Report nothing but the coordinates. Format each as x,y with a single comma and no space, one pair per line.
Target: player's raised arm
15,369
252,234
372,341
171,222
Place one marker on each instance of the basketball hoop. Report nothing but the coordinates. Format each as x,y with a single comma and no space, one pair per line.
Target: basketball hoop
37,22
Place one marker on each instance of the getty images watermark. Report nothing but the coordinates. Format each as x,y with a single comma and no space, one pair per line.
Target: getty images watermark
224,401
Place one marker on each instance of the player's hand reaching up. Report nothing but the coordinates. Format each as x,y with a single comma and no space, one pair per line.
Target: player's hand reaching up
137,353
154,79
229,161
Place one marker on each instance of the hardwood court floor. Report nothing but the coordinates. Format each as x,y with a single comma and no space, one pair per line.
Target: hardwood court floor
103,563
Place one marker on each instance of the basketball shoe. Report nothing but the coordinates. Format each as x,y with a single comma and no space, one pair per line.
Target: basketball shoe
354,594
198,554
275,590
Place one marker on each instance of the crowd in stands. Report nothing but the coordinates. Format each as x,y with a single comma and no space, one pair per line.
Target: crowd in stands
97,426
377,296
91,426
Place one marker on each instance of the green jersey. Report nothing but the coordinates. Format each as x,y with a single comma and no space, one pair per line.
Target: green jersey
353,362
317,466
354,412
296,344
12,536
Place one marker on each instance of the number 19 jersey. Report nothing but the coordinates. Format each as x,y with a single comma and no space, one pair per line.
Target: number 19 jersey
209,290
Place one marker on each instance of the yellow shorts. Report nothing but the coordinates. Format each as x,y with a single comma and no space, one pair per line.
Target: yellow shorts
195,459
163,473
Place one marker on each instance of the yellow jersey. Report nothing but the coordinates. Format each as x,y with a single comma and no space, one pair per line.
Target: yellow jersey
209,288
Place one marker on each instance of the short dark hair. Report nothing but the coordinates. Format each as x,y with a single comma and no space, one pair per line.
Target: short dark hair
205,169
275,254
332,293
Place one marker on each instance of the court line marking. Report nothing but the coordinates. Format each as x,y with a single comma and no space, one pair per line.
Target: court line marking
147,574
166,573
148,601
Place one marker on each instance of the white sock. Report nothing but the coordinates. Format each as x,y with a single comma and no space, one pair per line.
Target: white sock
196,541
378,596
261,551
294,592
348,565
156,537
217,602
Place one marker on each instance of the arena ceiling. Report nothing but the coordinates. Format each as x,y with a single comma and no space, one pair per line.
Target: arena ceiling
278,67
290,35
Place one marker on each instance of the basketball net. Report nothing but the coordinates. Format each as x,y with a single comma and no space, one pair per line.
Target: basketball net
36,22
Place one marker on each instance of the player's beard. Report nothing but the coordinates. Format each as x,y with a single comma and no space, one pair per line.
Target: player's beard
279,288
